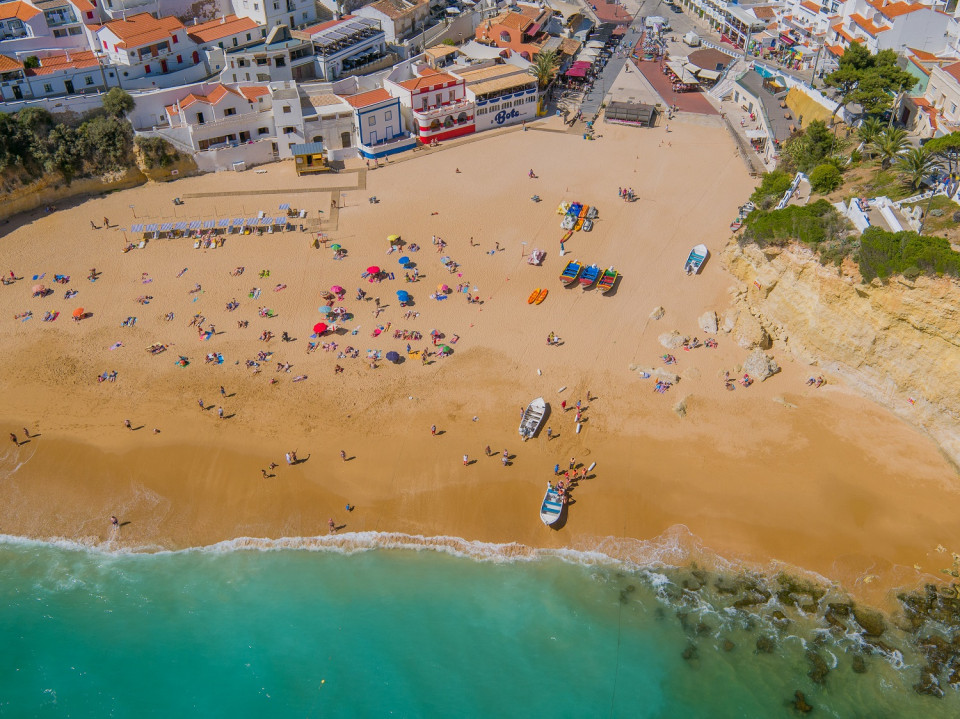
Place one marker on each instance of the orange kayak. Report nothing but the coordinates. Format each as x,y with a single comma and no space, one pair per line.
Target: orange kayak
542,296
533,296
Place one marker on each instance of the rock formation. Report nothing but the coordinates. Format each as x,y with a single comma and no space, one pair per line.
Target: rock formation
897,342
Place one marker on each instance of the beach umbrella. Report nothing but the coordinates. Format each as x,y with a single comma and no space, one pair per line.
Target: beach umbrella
324,310
78,312
446,348
404,260
335,247
319,328
442,288
393,238
337,289
340,311
393,356
403,296
373,270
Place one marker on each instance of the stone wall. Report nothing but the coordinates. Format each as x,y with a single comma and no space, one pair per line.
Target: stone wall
50,190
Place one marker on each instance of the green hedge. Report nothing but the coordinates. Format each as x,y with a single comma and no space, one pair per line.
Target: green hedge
883,254
811,224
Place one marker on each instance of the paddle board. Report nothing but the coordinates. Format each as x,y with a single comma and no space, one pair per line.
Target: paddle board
590,468
561,389
579,427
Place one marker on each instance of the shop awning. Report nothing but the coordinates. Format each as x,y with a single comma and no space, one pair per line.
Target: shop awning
755,134
576,72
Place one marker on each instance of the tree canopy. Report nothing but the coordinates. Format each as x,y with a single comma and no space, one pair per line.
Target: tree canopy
947,150
869,80
544,67
117,102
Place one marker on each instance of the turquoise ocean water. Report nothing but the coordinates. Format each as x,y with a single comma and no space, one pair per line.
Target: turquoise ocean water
229,632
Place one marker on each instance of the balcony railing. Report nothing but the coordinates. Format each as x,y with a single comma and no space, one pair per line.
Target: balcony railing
441,110
230,121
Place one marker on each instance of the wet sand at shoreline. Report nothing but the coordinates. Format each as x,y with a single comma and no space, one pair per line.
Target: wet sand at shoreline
821,479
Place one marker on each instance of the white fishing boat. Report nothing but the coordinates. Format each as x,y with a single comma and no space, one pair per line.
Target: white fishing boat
552,505
695,259
533,418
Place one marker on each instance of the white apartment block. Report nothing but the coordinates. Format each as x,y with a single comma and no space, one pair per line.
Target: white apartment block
292,13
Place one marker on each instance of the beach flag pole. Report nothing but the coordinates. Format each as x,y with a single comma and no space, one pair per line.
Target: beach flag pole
523,246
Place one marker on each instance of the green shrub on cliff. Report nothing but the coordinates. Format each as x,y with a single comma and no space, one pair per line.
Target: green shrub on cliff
883,254
811,224
825,178
771,189
34,142
156,151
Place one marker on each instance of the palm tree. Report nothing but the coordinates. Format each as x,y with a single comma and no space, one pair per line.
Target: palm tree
868,132
890,144
916,163
544,67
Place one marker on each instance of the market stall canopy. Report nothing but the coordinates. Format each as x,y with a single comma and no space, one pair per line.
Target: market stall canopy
755,134
707,74
576,72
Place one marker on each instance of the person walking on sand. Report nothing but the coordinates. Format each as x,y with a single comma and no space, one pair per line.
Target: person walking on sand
332,525
106,222
126,423
114,522
13,438
549,433
433,430
573,462
264,472
220,412
200,402
93,225
223,392
563,405
487,450
466,460
556,470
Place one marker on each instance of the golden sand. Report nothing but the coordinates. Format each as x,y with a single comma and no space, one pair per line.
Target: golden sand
777,472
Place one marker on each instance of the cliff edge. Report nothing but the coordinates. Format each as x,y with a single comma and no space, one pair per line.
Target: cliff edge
896,342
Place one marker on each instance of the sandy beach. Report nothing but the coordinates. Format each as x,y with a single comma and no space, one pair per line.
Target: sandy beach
778,472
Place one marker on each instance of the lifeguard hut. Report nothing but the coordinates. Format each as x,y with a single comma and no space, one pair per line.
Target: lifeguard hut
310,157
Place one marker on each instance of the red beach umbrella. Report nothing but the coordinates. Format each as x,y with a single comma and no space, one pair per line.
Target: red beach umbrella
78,313
373,270
337,289
319,328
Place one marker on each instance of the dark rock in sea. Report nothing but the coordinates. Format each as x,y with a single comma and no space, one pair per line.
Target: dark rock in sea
882,646
834,620
779,617
859,665
954,678
809,608
929,684
690,653
703,628
659,613
795,591
699,575
692,585
937,650
871,621
841,609
818,667
727,645
800,703
765,645
750,599
725,586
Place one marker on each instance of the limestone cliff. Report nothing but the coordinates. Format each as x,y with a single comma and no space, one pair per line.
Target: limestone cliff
896,342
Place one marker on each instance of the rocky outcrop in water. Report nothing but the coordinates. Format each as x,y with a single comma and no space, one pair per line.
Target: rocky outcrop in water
897,343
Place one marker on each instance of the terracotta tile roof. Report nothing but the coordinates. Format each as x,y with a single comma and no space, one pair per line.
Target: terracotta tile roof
220,28
84,5
143,29
324,25
836,50
514,21
894,9
953,70
872,29
18,10
922,54
324,100
252,92
428,81
364,99
811,6
395,9
843,33
764,13
211,98
73,60
8,64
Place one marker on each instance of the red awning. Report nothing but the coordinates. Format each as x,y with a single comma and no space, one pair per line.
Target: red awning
582,63
576,72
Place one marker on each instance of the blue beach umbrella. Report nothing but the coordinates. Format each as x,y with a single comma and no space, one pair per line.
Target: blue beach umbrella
393,356
403,295
404,260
